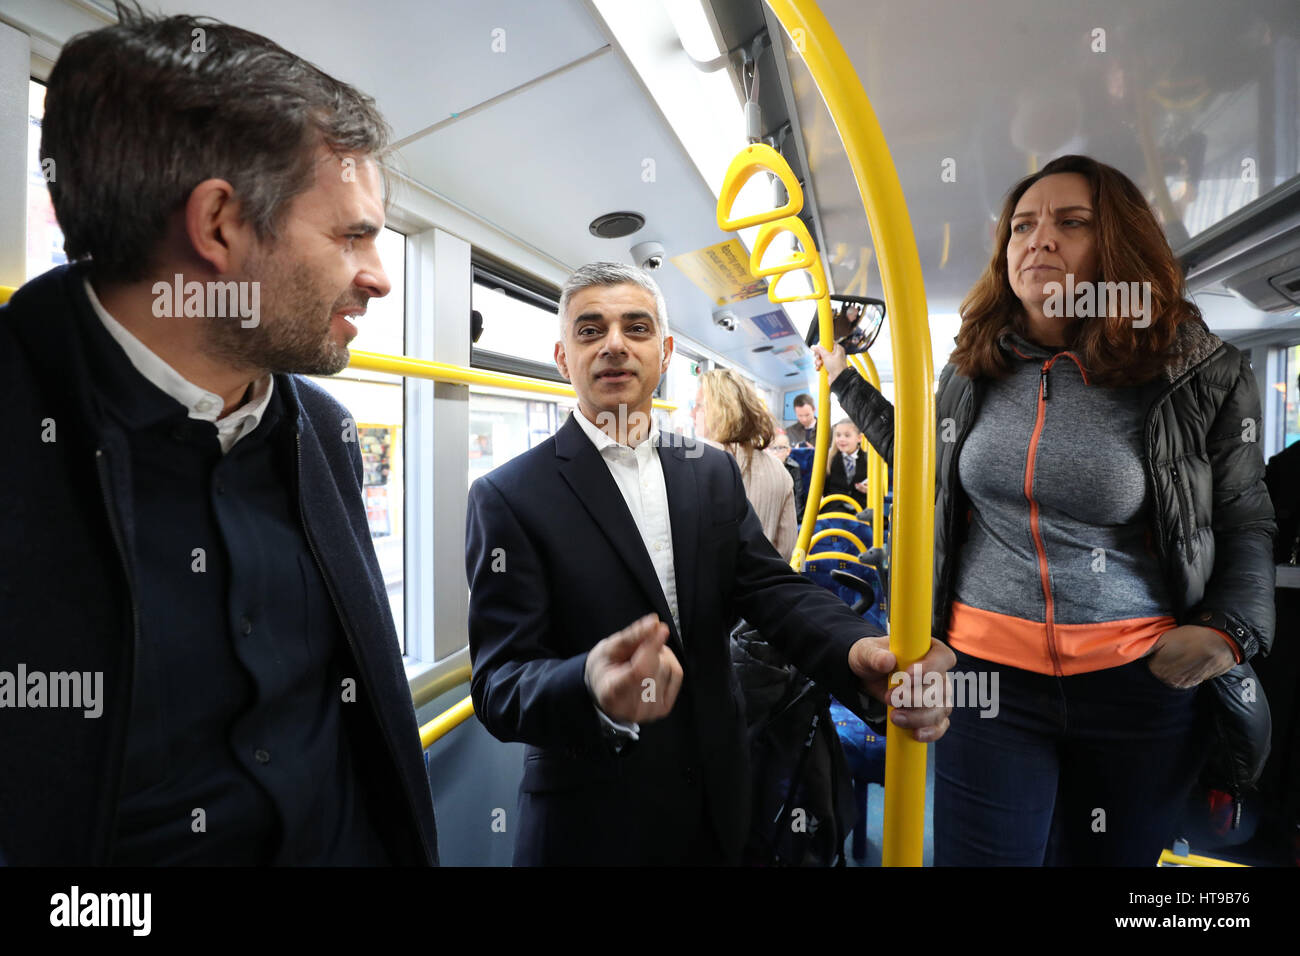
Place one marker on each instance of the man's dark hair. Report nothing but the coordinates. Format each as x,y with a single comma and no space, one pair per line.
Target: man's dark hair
138,114
804,399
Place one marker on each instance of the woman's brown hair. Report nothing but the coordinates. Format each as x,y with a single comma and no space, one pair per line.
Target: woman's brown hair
735,413
1130,248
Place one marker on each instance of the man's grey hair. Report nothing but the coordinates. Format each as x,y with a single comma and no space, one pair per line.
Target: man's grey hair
612,273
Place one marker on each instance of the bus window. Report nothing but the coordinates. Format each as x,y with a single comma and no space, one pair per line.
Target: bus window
1291,415
44,237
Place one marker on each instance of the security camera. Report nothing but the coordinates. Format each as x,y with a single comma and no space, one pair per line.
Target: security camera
725,319
648,255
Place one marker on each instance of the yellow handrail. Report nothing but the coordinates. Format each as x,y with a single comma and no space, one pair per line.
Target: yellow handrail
1168,858
844,498
444,723
5,293
900,267
840,555
460,375
441,684
837,533
877,473
842,516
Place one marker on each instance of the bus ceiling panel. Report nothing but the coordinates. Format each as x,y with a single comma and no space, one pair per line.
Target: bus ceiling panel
1193,99
423,62
542,165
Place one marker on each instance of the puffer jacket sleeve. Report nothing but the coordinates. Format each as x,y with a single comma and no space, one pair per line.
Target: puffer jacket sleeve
1241,585
869,410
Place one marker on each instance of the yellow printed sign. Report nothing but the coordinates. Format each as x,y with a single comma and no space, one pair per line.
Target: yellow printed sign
722,272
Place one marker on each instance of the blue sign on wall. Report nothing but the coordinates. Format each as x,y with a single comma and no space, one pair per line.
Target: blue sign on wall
774,325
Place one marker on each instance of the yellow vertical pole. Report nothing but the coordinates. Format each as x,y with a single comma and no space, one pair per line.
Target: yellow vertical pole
817,478
900,267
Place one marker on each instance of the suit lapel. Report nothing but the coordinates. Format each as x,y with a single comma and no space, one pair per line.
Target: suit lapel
588,476
684,509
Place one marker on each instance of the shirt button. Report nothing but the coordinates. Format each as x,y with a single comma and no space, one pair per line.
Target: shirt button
261,756
245,625
689,774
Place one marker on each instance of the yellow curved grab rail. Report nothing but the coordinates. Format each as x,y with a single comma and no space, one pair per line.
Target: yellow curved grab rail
914,433
441,684
1168,858
444,723
844,498
877,473
839,555
836,533
5,293
843,516
460,375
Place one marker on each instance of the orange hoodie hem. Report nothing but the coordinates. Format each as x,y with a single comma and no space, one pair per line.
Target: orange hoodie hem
1080,648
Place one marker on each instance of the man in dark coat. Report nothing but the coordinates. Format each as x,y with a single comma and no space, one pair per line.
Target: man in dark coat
607,567
198,662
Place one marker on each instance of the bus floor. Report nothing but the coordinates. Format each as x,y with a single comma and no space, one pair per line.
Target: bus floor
1258,841
876,821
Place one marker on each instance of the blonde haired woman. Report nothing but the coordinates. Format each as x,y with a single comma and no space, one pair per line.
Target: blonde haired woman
730,415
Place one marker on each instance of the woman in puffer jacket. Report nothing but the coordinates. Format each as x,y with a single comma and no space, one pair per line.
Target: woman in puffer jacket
1103,532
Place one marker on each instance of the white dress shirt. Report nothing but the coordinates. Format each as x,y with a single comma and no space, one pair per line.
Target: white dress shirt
640,478
201,404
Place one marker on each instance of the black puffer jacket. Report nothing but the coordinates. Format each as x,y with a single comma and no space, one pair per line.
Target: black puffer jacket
1212,519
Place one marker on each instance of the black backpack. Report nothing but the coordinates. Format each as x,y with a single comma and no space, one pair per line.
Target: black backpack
803,807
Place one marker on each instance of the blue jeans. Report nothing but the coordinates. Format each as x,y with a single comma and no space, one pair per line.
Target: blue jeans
1088,770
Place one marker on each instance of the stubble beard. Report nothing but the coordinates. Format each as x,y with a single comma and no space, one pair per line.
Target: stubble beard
294,331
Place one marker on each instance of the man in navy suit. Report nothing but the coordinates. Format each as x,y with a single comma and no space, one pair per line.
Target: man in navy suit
607,566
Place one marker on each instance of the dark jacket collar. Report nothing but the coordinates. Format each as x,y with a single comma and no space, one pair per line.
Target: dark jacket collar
56,324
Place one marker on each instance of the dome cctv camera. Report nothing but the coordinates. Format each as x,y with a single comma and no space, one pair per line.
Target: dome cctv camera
725,319
648,255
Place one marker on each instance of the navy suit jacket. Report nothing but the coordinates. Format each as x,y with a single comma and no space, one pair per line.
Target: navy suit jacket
556,564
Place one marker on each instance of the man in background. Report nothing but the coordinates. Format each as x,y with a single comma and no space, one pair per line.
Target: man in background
803,434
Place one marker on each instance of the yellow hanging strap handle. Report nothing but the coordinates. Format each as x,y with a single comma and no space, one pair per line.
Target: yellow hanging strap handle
900,269
877,470
756,158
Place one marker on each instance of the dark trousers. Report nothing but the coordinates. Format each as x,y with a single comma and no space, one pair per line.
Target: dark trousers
1088,770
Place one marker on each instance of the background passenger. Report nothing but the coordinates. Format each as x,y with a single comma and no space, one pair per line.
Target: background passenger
730,415
846,466
1103,533
780,450
803,433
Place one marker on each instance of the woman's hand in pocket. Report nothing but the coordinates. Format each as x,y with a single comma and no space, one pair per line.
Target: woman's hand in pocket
1186,656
